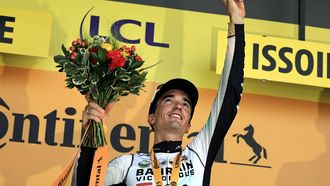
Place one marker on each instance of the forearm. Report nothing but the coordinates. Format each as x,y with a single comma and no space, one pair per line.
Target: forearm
232,83
224,108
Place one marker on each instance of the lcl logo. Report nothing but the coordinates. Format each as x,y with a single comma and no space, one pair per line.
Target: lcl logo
117,25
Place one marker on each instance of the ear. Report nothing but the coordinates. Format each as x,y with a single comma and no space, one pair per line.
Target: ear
151,119
188,127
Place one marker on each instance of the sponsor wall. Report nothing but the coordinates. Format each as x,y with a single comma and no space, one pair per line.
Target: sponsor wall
40,125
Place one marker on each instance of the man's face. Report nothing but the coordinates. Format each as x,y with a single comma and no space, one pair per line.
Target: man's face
172,115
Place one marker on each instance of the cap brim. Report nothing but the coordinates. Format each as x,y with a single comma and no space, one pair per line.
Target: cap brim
180,84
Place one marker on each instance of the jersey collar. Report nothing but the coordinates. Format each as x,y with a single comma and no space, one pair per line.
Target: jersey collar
168,146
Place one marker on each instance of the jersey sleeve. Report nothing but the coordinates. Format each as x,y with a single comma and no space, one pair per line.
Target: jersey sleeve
208,141
117,170
83,167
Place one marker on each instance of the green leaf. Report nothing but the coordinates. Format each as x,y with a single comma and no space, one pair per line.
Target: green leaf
62,62
102,55
127,63
78,80
124,78
84,85
135,91
70,85
150,66
123,84
94,79
59,58
94,96
125,94
113,87
78,59
136,64
70,68
65,51
95,56
83,92
84,60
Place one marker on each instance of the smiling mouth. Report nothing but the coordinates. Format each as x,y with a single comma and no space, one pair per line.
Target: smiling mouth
174,115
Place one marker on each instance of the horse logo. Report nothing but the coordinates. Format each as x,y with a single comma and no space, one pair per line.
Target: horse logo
250,141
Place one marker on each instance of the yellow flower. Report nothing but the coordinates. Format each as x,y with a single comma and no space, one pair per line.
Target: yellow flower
107,46
126,51
125,54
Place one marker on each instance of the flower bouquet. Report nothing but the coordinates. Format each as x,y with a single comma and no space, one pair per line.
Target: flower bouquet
104,68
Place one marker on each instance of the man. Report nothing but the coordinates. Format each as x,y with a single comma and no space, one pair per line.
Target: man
170,114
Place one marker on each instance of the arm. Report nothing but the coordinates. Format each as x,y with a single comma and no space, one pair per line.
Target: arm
207,143
84,164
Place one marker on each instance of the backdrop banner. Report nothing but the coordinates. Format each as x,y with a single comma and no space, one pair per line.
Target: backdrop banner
281,135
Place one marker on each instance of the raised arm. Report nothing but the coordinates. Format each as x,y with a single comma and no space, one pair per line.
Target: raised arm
207,143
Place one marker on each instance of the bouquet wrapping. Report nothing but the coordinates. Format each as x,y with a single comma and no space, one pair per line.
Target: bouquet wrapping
104,68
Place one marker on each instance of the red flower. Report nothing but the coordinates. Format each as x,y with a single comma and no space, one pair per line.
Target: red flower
84,44
133,48
73,55
74,43
91,59
110,54
126,49
116,58
93,50
138,58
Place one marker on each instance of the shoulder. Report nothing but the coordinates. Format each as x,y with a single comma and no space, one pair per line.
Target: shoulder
128,159
122,159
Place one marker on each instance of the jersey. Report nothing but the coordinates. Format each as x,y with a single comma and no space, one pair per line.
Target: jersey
200,153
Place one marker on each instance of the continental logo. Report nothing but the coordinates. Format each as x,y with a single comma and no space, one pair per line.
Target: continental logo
283,60
122,136
116,30
25,32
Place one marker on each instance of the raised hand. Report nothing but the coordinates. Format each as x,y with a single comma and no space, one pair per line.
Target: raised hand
94,112
236,10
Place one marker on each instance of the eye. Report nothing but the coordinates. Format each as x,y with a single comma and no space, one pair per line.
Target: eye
186,105
168,99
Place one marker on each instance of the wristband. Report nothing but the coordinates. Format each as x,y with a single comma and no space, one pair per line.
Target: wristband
231,30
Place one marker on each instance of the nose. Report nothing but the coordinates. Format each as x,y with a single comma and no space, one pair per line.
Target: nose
177,106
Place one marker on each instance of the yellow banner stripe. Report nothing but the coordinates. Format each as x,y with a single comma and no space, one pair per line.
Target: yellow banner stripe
25,32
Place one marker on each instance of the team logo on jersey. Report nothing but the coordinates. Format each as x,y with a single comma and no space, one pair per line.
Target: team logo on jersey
144,163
